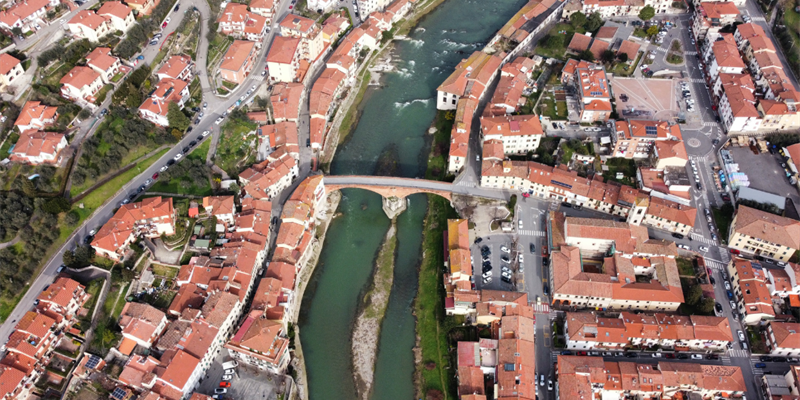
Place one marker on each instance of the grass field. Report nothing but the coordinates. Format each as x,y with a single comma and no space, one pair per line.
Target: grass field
568,31
233,147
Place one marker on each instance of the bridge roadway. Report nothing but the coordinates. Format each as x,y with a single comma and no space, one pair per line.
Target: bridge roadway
401,187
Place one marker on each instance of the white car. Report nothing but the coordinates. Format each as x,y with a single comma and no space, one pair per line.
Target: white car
683,246
697,357
504,249
520,258
206,133
227,377
550,385
218,120
727,285
705,248
164,168
167,20
178,157
656,355
741,335
254,88
541,380
520,224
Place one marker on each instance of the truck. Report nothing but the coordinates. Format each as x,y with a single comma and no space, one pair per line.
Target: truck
230,365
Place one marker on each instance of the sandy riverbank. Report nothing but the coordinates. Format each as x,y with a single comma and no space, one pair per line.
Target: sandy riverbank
324,221
366,333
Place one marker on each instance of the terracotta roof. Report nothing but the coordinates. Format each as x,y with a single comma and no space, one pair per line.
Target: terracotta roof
174,66
283,49
237,54
477,69
579,42
61,292
270,4
119,228
285,100
512,125
598,47
629,48
101,57
22,10
10,380
34,143
763,225
726,53
115,8
219,205
178,369
298,23
88,18
218,307
80,76
787,334
7,63
35,112
606,32
672,211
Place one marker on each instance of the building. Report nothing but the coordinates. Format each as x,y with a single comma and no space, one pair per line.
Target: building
760,233
269,178
670,216
141,325
324,5
86,24
783,338
177,67
470,78
722,56
459,134
10,70
238,61
142,7
102,62
519,134
513,84
260,342
532,18
285,101
150,217
591,331
81,84
240,23
751,286
310,33
637,138
737,103
670,153
37,147
264,8
119,15
283,59
25,14
458,259
156,108
711,16
221,207
62,300
35,115
593,91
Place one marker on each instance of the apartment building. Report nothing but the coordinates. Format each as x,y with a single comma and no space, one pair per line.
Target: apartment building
156,108
238,22
670,153
308,31
62,300
759,233
783,338
636,138
260,342
752,40
593,90
513,83
119,15
583,376
591,331
283,59
737,104
751,287
269,178
35,115
10,70
670,216
238,61
459,134
141,325
37,147
86,24
285,101
150,217
264,8
519,134
25,14
102,62
470,78
711,16
81,84
177,67
722,56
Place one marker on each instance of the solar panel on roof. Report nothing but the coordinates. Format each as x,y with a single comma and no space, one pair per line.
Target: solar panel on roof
594,93
651,130
118,394
93,361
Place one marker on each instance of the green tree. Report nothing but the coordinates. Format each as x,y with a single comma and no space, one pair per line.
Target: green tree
16,31
706,306
85,113
554,41
586,55
177,119
594,22
121,93
694,294
577,19
652,31
647,13
134,99
623,57
607,56
72,218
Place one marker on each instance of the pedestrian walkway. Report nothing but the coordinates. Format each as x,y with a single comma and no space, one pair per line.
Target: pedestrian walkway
541,309
710,123
528,232
756,371
697,80
738,353
703,239
758,19
714,264
466,184
726,360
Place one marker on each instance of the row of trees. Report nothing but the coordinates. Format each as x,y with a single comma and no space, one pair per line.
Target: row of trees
190,172
70,54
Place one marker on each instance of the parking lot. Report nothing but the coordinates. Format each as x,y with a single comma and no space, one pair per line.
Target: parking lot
764,172
494,243
654,96
247,382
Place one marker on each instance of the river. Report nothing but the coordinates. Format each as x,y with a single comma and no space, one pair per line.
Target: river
395,118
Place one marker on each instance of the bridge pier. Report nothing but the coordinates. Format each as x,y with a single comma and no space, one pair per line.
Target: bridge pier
394,206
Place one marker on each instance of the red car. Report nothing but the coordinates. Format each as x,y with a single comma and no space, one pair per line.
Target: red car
290,7
164,25
155,176
225,384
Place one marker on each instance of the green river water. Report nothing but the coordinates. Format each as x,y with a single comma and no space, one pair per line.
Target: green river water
395,118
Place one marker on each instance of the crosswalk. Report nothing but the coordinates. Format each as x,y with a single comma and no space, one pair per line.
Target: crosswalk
710,124
713,264
758,19
697,80
756,371
725,360
529,232
466,184
703,239
738,353
541,309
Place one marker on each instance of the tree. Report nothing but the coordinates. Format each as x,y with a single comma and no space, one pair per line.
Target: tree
623,57
607,56
177,119
577,19
16,31
694,294
72,218
652,31
134,98
586,55
647,13
706,306
554,41
594,22
85,113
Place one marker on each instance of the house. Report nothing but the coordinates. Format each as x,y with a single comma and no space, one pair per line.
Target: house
62,300
35,115
285,101
283,59
142,7
751,286
141,325
178,375
37,147
10,69
513,84
783,338
81,84
264,8
238,61
282,134
520,134
458,258
260,342
670,216
711,16
25,14
119,15
176,67
268,179
87,24
760,233
102,62
238,22
150,217
637,138
459,134
630,49
156,108
221,207
670,153
470,78
579,43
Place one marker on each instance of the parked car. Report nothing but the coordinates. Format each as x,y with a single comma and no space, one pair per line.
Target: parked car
224,384
220,390
697,357
504,249
760,365
741,335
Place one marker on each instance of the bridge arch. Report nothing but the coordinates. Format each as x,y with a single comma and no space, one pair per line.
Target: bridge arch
391,191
